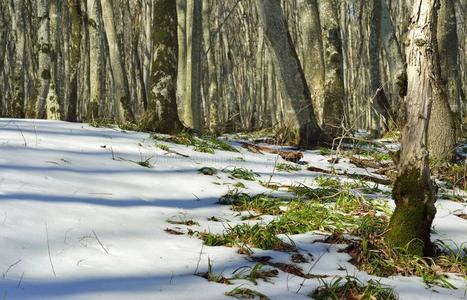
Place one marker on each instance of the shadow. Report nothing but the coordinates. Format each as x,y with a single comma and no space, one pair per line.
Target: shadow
192,203
35,289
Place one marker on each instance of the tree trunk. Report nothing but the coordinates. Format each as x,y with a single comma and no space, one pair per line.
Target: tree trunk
313,58
122,93
17,103
76,19
414,192
380,104
53,101
44,58
212,95
161,115
96,60
192,98
300,119
442,128
182,55
334,93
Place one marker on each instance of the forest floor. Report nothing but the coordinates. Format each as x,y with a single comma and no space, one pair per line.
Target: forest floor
103,213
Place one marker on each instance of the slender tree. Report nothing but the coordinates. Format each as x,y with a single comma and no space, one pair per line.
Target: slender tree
192,93
122,92
96,59
44,58
76,33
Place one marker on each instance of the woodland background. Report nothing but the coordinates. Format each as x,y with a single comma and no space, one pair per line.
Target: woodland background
352,53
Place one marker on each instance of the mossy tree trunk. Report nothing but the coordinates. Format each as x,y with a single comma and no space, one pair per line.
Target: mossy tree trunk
161,115
299,114
414,192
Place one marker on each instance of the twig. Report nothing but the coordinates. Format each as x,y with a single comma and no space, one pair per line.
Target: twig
20,131
99,241
309,271
20,281
48,250
199,259
11,266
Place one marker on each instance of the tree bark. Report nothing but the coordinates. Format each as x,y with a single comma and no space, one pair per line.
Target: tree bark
442,128
414,193
313,58
300,118
192,98
161,115
334,93
122,93
76,36
44,58
182,55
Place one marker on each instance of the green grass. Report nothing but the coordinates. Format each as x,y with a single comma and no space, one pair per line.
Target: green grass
375,257
375,154
305,192
254,273
346,214
163,147
261,203
245,236
350,287
325,151
328,182
205,143
213,277
284,167
242,173
246,293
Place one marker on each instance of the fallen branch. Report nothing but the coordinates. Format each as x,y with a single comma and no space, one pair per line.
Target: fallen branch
292,156
352,175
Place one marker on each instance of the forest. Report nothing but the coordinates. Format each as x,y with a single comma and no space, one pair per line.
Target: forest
249,149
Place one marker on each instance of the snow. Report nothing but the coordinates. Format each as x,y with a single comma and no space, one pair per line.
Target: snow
80,219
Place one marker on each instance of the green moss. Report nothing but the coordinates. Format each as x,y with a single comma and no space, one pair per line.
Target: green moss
409,185
409,229
410,223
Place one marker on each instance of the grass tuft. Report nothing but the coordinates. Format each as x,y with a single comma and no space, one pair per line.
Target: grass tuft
242,173
350,287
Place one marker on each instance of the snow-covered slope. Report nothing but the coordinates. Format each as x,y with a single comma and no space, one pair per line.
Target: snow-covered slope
81,219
